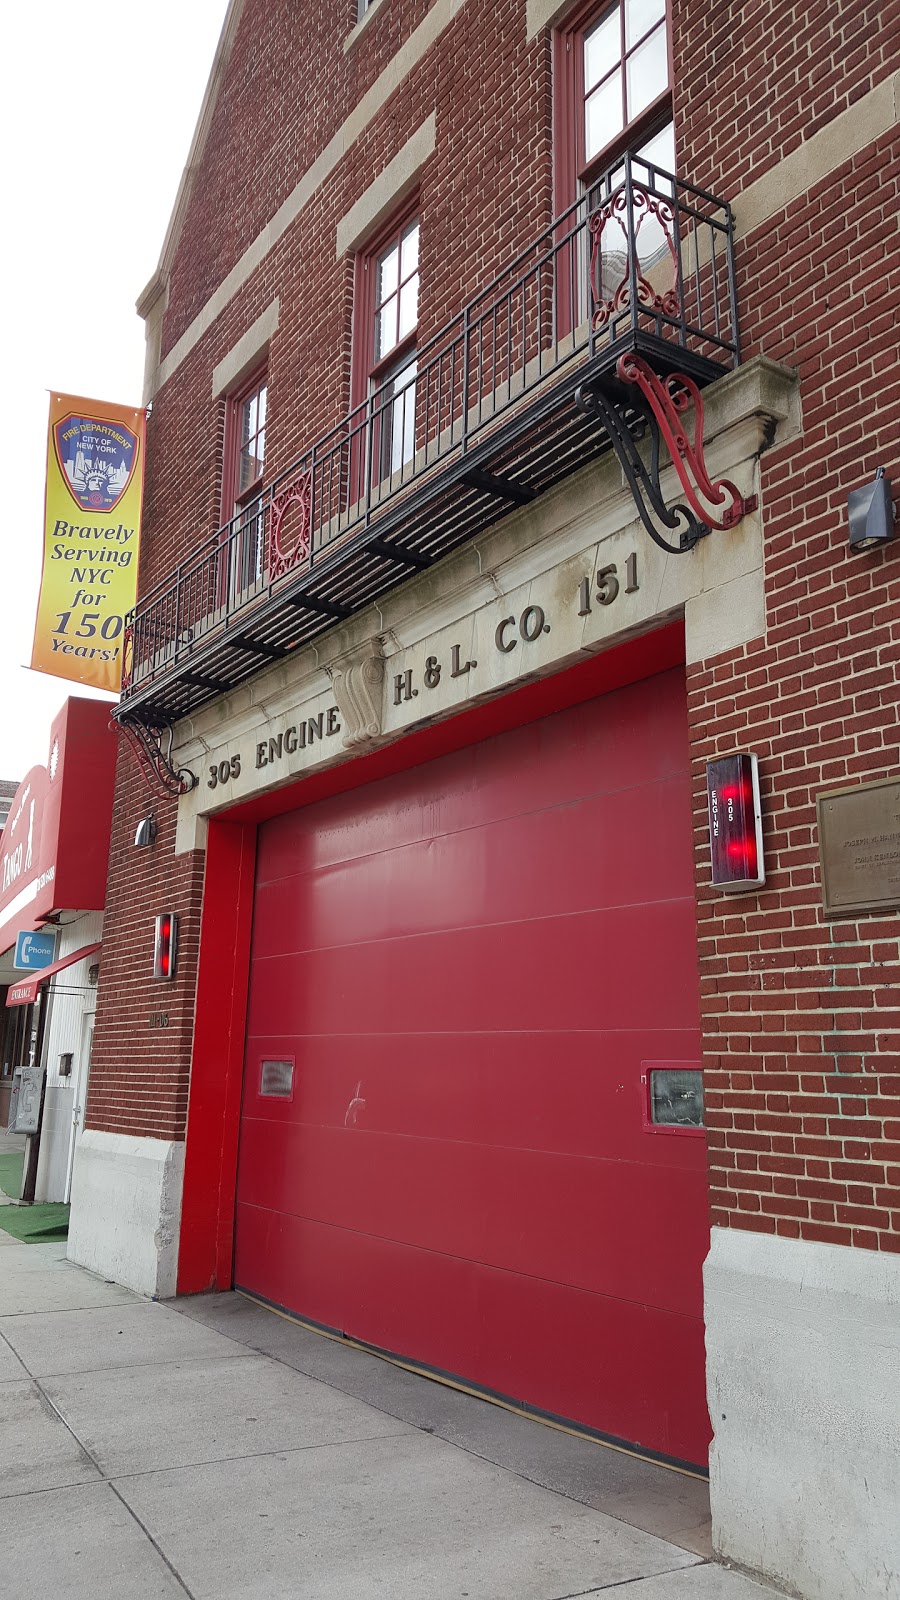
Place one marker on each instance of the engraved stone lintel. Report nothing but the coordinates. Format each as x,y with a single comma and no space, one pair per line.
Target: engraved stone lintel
358,681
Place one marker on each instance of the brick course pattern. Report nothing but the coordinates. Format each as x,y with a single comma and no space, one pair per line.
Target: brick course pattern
801,1015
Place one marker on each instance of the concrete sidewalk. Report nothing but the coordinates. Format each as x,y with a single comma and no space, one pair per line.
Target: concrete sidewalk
212,1448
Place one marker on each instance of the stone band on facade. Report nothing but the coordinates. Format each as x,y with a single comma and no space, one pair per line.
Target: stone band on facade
554,582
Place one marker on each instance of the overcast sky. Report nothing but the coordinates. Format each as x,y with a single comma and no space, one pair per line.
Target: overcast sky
97,110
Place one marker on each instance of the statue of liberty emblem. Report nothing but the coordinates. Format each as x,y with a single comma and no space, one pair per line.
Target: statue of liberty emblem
97,460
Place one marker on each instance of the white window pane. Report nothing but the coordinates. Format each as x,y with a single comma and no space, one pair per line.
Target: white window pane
648,73
262,407
660,150
403,417
409,251
409,306
405,375
248,419
654,237
387,274
386,328
640,16
250,468
603,115
602,49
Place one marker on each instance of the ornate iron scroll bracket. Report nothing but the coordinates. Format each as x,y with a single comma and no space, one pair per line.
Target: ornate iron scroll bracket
628,424
155,763
655,413
669,399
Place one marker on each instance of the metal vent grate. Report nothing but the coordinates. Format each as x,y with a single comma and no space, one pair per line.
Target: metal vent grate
276,1080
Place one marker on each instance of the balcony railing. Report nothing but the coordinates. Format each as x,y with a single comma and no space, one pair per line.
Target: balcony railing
482,421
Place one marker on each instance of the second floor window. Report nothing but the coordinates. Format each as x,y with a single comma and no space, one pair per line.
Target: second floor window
623,68
613,92
247,444
242,478
389,288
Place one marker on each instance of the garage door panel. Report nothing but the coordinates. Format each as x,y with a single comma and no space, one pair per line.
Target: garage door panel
469,964
496,1090
572,1221
607,1362
583,971
580,850
544,764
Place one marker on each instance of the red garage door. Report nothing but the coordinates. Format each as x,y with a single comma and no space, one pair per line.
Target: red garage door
461,975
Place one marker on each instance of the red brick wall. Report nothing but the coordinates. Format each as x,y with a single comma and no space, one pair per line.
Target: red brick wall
801,1018
287,89
139,1073
756,78
802,1014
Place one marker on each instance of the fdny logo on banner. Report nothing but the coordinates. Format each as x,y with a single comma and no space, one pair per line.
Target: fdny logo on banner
97,460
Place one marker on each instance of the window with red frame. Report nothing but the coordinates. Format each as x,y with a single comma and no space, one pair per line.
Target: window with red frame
614,91
245,446
245,451
387,289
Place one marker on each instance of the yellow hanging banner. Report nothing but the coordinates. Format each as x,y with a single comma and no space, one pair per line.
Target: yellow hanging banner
92,525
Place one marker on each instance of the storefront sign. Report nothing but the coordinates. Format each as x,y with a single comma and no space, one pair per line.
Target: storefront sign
859,845
34,950
95,471
54,849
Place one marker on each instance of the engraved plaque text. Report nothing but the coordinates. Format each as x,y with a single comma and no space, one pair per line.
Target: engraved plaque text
859,845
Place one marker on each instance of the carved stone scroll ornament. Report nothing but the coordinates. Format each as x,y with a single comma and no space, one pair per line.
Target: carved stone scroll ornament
358,682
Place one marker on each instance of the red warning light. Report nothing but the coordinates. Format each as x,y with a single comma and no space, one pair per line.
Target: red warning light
165,945
735,823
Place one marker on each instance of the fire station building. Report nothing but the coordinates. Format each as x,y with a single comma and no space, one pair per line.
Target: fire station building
501,953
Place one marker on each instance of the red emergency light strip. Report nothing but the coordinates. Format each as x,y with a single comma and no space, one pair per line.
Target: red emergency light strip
165,945
735,823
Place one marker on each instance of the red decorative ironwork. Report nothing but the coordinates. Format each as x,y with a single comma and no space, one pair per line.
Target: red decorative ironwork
629,209
669,399
146,745
283,555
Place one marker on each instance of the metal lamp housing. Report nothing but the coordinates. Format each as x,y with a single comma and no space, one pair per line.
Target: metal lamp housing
165,945
871,512
735,823
146,833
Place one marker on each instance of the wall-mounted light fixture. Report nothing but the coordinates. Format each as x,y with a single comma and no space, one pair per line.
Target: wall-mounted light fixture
871,512
735,823
165,945
146,832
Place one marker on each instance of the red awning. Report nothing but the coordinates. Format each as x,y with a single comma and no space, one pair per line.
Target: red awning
26,992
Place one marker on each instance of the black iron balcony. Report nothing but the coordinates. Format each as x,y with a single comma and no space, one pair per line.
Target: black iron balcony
485,420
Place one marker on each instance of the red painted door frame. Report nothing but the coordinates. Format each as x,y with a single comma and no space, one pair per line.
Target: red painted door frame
214,1106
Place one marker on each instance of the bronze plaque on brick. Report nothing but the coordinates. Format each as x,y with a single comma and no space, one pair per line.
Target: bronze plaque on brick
859,846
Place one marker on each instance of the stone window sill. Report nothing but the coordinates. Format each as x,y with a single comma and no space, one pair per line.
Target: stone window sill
362,24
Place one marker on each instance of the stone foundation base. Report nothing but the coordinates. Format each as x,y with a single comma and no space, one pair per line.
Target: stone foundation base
803,1368
126,1209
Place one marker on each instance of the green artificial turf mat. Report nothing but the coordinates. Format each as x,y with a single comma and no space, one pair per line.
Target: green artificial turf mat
35,1224
11,1173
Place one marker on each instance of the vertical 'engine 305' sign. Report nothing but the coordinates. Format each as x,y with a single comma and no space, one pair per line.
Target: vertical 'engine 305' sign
95,481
